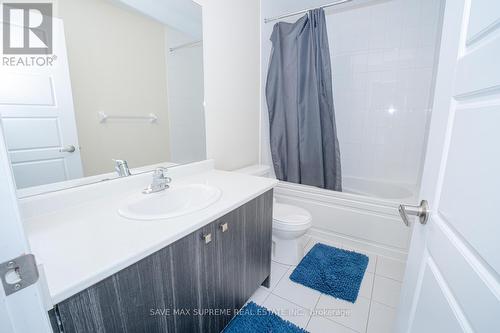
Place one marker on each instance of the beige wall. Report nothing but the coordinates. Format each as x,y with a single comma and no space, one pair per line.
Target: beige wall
117,65
231,47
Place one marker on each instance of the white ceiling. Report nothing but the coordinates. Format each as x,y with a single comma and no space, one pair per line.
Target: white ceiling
183,15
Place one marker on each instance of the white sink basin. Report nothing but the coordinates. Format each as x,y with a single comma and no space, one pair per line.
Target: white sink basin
172,202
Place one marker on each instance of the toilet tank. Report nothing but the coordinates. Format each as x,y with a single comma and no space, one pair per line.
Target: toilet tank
255,170
259,170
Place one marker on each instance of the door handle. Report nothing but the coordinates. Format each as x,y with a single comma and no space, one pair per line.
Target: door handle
422,212
67,149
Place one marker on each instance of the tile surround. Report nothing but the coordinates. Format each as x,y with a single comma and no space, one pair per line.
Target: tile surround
382,77
383,58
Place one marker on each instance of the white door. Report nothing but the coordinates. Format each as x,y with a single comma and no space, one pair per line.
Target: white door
25,310
36,105
452,282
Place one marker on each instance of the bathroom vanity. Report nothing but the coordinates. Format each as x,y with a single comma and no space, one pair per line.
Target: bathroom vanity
189,273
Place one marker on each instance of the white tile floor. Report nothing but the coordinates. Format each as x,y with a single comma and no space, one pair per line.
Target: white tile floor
373,312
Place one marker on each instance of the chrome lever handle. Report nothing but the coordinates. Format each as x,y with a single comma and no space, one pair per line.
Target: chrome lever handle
160,171
404,216
422,212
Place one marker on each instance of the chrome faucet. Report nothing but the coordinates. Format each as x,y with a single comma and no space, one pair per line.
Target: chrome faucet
121,168
160,181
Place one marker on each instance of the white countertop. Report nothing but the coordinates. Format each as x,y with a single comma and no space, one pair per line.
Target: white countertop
79,238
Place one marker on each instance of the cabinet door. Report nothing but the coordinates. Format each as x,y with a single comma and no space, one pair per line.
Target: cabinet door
258,241
209,295
243,253
133,300
194,270
172,290
232,264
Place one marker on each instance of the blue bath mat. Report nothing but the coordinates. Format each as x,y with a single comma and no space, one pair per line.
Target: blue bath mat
257,319
332,271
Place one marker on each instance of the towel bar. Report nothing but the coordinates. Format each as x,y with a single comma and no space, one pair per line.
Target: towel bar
103,117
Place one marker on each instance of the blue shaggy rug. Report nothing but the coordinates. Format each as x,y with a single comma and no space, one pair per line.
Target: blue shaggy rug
332,271
257,319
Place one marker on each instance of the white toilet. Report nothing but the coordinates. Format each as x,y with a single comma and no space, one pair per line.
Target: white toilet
290,223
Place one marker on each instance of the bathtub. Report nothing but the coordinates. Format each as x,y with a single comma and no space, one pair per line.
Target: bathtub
378,189
364,215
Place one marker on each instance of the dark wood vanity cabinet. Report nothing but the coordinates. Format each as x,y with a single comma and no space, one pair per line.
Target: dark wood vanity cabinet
192,285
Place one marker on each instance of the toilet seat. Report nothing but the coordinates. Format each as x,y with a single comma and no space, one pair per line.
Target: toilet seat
290,218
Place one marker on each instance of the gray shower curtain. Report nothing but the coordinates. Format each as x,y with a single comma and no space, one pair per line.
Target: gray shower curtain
299,95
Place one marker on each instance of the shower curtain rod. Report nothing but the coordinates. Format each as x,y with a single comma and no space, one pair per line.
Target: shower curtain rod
271,19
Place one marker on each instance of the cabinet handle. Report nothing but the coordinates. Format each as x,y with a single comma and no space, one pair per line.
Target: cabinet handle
207,238
223,227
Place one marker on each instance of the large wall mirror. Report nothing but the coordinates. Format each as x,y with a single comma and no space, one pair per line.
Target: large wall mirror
124,82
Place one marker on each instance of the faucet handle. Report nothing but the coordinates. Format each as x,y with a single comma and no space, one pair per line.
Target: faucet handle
160,172
121,167
160,181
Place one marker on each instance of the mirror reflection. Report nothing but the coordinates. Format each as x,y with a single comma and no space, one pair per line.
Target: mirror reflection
125,91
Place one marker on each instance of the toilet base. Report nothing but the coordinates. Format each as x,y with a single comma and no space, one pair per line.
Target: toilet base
287,251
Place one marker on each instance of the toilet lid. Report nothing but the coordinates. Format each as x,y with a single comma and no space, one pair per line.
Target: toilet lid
292,215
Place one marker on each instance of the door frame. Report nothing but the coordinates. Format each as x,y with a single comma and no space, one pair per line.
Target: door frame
25,310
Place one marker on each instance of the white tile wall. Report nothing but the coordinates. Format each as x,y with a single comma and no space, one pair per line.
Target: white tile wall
382,63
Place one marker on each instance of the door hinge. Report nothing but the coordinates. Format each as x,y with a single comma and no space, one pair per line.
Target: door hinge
18,273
